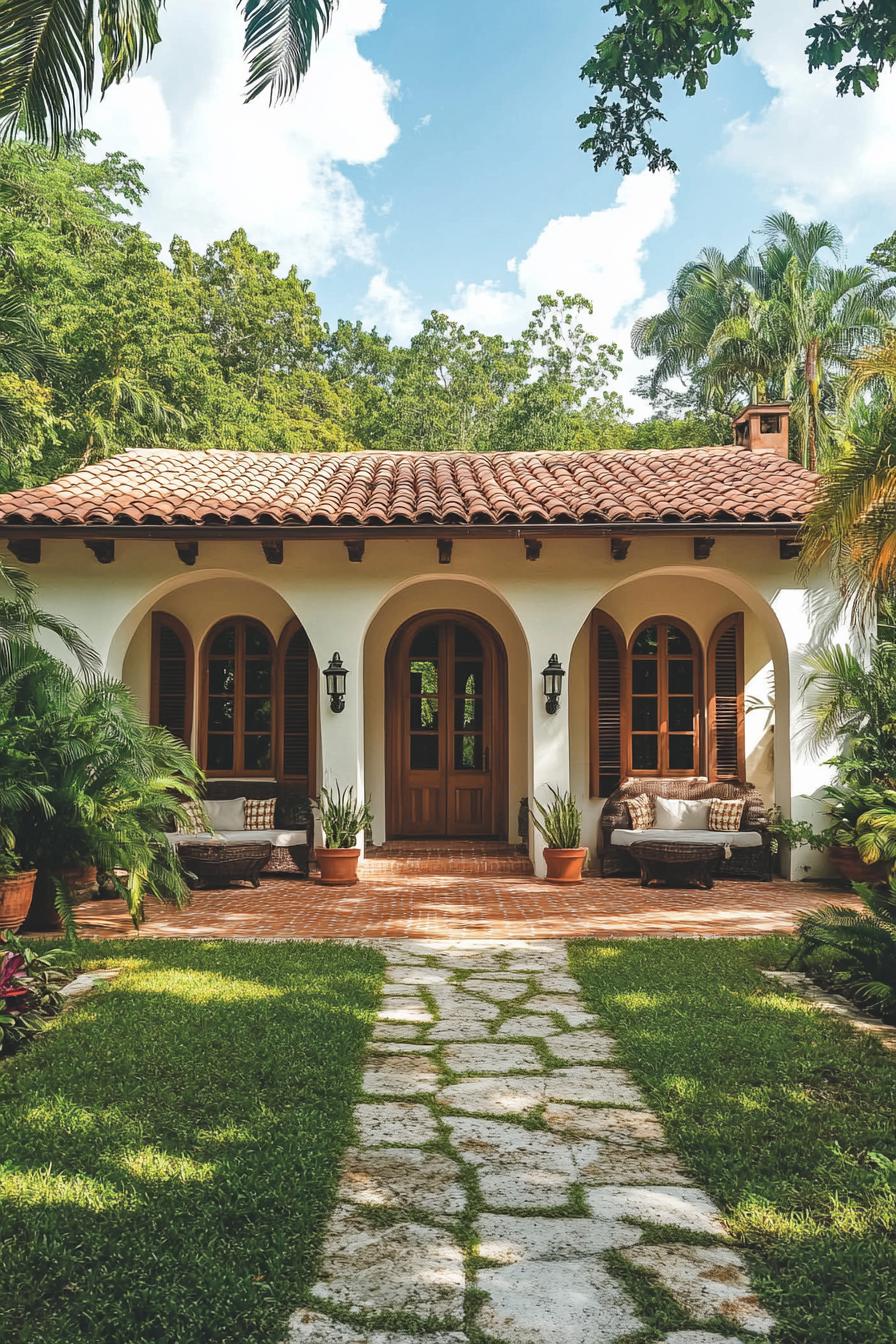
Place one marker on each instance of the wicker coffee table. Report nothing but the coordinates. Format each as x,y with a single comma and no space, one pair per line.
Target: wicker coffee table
219,864
677,864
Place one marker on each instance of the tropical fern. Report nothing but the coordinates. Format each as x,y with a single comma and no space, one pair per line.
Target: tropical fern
864,939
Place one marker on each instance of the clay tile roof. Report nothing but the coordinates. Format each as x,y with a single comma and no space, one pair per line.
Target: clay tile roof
159,487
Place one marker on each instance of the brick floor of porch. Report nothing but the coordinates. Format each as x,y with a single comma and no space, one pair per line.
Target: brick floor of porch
412,906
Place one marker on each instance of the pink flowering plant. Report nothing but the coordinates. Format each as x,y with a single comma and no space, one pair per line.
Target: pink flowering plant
29,990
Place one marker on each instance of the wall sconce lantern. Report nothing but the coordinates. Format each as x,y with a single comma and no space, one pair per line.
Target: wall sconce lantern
335,675
553,676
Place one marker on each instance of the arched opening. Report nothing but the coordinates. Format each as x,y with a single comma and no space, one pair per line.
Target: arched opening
239,700
446,728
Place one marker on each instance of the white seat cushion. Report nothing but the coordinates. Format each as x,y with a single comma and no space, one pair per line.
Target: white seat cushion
736,839
279,839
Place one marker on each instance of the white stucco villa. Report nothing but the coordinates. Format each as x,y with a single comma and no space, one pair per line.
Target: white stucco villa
220,586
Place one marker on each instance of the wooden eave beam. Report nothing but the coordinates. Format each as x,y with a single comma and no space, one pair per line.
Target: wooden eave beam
273,551
355,549
788,549
619,547
532,547
104,550
702,547
445,546
25,549
188,551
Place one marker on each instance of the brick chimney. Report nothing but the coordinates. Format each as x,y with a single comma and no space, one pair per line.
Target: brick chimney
764,427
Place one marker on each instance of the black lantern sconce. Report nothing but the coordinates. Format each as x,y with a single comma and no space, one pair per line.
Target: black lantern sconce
553,676
335,675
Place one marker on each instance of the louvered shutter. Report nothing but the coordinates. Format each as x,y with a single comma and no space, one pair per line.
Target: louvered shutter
297,725
726,700
606,707
172,677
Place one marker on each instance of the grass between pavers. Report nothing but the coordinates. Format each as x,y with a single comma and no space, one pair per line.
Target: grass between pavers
784,1114
169,1151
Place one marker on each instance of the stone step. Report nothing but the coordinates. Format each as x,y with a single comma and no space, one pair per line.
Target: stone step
406,858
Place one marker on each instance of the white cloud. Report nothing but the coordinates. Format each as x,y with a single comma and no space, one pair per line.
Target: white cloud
390,307
423,122
214,163
807,149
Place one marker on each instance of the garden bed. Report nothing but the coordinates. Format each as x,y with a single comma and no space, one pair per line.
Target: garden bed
169,1149
782,1112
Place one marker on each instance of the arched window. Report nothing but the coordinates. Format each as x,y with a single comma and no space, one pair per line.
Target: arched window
665,706
171,681
297,678
239,699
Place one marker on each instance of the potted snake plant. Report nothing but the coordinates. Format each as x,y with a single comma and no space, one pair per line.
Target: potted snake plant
342,819
560,825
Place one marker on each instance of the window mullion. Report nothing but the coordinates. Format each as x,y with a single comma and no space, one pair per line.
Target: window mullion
662,657
239,714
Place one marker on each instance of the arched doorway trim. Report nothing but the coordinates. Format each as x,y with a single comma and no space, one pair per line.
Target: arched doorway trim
446,728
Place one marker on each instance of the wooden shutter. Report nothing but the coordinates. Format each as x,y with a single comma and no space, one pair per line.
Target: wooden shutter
607,697
298,682
171,698
725,710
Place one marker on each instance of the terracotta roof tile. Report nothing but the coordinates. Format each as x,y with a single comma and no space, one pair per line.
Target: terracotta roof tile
213,489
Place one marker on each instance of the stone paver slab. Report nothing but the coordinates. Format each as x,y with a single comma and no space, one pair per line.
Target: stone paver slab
490,1141
505,1185
494,1096
617,1126
399,991
463,1029
707,1281
528,1024
507,1238
405,1267
699,1337
399,1011
400,1075
566,1302
400,1048
581,1047
390,1031
422,976
558,982
492,1058
499,990
620,1164
668,1205
312,1327
595,1085
402,1178
395,1122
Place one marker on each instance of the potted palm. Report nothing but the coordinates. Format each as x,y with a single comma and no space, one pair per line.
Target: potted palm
560,825
342,819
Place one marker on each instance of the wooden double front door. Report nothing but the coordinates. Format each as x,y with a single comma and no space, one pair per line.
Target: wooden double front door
446,728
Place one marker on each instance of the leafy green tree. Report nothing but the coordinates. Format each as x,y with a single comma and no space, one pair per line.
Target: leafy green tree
781,324
884,254
680,40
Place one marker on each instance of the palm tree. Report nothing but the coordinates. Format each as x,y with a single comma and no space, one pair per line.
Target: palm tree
851,705
780,325
21,621
866,939
48,53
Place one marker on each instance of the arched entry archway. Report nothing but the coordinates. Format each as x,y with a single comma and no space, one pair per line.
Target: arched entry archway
446,728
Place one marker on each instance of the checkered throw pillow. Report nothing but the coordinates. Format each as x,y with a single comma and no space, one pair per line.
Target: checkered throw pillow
195,822
642,811
725,814
260,814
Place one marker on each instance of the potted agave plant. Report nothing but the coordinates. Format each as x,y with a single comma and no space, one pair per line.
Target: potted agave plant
560,825
342,819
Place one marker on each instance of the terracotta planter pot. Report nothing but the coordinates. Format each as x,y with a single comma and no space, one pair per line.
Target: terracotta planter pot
847,864
564,865
79,880
15,898
338,867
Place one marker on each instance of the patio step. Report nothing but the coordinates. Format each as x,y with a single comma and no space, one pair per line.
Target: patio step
479,858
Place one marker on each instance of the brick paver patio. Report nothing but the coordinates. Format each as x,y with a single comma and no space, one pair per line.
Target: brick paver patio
468,906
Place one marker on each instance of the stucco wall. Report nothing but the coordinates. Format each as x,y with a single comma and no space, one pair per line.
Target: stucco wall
538,607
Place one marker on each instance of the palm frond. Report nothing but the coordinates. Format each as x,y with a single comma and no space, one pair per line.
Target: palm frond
281,36
46,68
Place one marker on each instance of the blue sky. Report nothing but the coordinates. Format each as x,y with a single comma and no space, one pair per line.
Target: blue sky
432,160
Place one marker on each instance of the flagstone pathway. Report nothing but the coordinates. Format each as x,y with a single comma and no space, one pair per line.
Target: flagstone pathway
508,1183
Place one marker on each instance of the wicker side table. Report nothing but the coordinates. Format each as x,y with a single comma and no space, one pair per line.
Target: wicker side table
677,864
221,864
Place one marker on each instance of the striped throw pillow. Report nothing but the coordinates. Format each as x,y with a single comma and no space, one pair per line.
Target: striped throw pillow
642,811
260,814
725,814
195,821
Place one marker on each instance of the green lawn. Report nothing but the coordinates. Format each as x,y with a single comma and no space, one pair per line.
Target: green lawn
169,1151
786,1116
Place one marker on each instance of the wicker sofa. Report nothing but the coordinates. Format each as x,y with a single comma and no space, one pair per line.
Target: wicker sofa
293,822
750,848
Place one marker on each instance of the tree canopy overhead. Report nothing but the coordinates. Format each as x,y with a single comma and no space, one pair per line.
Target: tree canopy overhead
681,40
